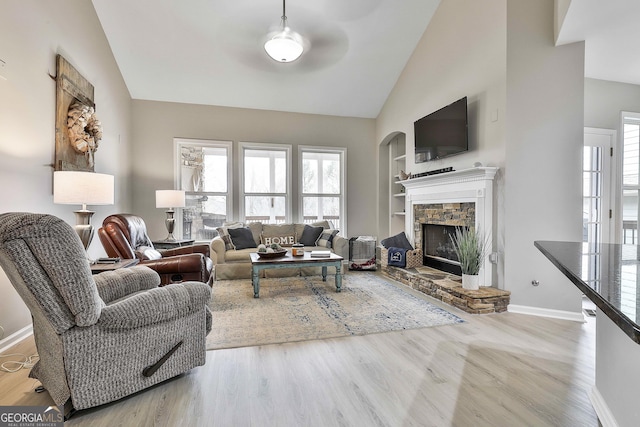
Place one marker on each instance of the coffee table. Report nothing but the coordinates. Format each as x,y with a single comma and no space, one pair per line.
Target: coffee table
288,261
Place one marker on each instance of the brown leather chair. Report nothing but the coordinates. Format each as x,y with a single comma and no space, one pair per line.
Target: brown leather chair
125,236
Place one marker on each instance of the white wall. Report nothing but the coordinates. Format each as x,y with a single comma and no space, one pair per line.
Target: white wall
32,32
545,98
157,123
462,53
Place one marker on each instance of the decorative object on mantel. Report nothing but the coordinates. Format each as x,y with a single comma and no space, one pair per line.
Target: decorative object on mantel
471,248
403,175
78,131
83,188
170,199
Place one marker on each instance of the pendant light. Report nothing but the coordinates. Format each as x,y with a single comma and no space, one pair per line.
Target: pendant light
284,45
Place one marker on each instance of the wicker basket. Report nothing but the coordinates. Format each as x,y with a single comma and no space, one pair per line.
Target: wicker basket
414,258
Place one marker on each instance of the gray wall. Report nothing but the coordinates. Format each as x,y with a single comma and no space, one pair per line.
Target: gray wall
501,54
157,123
545,91
32,32
462,53
604,100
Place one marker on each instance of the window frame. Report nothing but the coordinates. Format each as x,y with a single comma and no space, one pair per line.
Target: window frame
177,163
287,149
342,152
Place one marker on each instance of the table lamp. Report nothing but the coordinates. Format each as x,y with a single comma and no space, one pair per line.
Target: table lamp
83,188
170,199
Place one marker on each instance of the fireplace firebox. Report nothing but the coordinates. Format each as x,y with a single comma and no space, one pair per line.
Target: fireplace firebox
437,248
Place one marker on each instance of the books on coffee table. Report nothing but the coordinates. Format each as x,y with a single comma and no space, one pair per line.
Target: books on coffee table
320,254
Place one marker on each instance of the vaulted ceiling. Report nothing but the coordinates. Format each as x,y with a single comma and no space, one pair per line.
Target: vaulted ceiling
211,51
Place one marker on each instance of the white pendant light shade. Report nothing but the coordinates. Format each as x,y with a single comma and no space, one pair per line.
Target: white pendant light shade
284,46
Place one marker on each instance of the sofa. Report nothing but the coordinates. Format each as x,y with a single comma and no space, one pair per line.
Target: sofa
231,260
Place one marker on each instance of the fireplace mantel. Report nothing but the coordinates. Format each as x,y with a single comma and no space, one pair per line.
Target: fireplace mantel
473,185
454,177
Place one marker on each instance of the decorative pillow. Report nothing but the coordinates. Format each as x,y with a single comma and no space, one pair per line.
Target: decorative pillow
326,238
282,234
242,238
398,241
223,232
283,240
146,253
309,235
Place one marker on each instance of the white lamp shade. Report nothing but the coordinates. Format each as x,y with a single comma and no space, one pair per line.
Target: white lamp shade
82,188
170,199
284,46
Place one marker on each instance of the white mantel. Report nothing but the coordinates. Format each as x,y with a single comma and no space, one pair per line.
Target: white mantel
473,185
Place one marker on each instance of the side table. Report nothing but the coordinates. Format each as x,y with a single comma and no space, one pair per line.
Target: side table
166,244
99,268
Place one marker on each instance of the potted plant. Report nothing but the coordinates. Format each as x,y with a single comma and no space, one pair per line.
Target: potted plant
471,247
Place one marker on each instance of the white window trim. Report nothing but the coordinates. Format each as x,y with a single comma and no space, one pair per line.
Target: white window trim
177,171
287,148
343,182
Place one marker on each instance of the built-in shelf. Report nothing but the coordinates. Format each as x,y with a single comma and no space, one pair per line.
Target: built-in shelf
397,200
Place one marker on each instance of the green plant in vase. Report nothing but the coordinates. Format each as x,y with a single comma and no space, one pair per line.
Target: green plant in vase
471,247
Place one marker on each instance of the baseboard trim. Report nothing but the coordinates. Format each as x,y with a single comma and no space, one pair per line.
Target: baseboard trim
15,338
605,416
546,312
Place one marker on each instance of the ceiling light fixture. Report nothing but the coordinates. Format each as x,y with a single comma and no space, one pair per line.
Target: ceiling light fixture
284,45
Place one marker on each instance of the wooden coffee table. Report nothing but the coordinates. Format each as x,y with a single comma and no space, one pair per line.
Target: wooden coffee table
288,261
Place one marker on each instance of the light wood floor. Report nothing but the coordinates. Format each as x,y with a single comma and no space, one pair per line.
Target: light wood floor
493,370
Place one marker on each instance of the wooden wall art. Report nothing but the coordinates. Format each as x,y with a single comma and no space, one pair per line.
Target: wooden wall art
78,131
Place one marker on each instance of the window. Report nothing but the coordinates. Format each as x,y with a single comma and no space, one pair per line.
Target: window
630,181
204,173
266,183
322,185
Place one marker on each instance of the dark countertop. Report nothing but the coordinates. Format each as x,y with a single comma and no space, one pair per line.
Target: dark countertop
608,274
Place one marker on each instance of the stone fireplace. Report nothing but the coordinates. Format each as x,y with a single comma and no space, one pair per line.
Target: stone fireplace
435,206
445,201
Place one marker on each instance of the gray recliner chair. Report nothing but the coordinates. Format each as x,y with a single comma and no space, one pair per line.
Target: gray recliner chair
100,338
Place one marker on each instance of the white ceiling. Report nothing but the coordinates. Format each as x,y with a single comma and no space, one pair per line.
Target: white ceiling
211,51
611,31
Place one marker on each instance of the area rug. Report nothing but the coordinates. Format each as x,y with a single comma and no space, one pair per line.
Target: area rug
306,308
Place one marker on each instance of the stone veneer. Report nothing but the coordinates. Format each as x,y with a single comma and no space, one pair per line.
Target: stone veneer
447,288
454,214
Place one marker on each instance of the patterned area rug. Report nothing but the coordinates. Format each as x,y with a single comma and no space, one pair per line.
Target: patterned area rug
306,308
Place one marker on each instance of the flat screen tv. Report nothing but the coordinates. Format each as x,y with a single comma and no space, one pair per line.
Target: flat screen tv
442,133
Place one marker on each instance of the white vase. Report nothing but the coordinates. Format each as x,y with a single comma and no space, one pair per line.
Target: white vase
470,281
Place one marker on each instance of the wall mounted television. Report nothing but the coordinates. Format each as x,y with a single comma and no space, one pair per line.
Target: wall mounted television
442,133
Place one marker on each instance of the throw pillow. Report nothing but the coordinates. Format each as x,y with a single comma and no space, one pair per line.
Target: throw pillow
282,234
223,232
309,235
398,241
242,238
326,238
283,240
